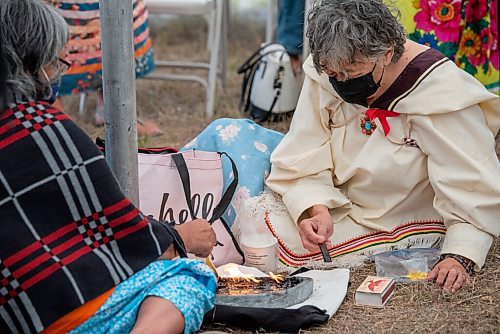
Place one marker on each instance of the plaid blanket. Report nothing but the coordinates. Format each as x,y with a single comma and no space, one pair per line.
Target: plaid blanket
67,233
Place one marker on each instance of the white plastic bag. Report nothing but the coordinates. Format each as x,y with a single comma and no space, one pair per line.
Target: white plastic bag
406,265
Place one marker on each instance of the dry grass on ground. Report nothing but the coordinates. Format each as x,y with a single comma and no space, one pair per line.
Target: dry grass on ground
178,107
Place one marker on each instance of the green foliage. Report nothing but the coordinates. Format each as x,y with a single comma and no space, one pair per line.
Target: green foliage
469,67
449,49
481,24
415,36
486,67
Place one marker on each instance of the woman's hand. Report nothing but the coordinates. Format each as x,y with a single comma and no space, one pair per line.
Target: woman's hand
198,236
316,230
450,274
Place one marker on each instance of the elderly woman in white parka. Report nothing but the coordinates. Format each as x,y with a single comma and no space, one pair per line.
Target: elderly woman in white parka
391,146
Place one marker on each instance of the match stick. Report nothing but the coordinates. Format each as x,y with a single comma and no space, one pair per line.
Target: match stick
211,265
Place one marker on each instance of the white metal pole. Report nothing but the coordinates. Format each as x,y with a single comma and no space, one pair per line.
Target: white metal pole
272,8
119,93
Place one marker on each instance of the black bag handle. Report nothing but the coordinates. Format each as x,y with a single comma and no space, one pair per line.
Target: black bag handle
254,58
250,63
228,194
246,89
180,163
219,210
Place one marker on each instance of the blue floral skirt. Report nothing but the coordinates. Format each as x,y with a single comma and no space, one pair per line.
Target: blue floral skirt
188,284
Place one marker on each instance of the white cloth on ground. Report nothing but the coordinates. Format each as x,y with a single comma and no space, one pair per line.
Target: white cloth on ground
330,289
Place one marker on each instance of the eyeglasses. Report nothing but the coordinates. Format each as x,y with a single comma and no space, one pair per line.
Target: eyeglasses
66,64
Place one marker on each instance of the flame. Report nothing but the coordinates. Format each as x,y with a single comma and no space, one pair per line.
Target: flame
231,271
235,272
248,278
277,277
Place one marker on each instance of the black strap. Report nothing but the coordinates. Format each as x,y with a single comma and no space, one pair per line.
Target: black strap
180,163
246,89
233,238
249,64
228,194
253,59
276,96
219,210
278,83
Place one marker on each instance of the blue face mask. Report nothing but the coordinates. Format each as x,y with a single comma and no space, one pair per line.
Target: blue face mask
55,87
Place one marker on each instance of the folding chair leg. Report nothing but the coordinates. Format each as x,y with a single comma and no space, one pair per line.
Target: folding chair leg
81,107
223,49
210,18
214,55
217,45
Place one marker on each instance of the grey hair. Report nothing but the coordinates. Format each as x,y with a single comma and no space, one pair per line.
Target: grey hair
33,34
342,32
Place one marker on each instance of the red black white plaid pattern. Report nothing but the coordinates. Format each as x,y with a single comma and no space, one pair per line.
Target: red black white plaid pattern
67,233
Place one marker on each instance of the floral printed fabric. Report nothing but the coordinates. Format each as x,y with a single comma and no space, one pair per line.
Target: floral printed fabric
249,145
464,30
188,284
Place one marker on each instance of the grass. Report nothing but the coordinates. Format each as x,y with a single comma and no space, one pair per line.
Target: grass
178,107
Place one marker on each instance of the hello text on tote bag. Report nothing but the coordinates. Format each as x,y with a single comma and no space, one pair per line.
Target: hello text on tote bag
179,187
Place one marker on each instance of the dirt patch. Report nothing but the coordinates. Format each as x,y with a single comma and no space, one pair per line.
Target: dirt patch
178,107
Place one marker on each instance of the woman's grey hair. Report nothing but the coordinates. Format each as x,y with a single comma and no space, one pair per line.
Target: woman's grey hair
342,32
33,34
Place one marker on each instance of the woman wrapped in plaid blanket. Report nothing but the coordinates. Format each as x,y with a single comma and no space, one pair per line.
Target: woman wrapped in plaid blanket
76,255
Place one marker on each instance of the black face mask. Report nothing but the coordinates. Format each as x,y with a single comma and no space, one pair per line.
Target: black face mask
357,90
